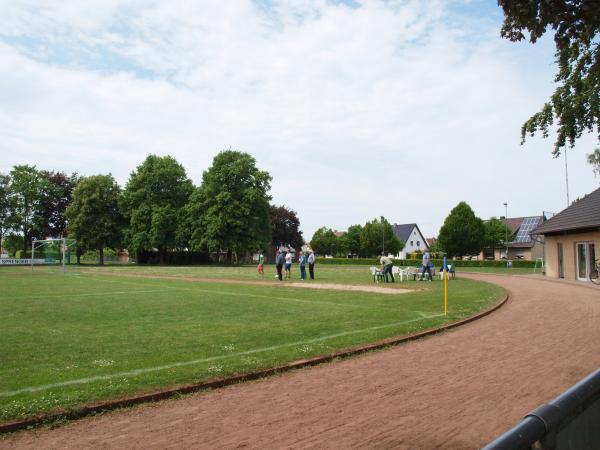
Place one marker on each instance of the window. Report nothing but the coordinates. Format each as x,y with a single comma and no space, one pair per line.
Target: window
412,243
418,243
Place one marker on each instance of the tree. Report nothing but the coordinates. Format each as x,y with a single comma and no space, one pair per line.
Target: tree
152,199
12,242
285,227
26,187
94,217
324,241
229,211
594,160
462,233
576,101
350,242
50,219
495,233
4,204
378,236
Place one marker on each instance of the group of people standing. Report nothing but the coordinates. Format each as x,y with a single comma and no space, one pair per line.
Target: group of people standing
284,262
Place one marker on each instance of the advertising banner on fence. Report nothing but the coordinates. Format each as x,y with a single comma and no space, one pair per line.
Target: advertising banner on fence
23,261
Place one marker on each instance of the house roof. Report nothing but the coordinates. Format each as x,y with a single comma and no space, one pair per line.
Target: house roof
513,223
403,231
582,214
522,227
339,233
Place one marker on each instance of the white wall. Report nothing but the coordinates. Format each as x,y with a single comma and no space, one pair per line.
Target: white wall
415,242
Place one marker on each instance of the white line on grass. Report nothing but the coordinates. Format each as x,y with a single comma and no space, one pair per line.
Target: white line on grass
92,294
203,360
270,297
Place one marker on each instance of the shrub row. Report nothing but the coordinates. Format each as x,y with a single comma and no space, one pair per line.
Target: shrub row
417,262
176,258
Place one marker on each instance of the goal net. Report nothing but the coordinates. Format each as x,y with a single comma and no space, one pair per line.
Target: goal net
53,252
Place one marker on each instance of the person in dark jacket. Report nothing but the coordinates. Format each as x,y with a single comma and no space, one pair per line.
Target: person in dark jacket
279,264
302,261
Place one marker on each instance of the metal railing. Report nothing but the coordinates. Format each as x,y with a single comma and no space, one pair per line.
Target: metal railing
570,421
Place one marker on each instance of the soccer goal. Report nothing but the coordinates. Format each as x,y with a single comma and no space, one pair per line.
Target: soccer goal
51,251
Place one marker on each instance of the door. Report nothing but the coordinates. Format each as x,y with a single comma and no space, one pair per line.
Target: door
561,268
582,259
586,256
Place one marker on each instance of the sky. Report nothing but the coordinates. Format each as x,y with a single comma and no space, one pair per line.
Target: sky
358,109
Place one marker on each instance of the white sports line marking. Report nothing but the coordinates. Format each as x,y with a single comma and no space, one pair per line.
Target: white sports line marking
199,361
270,297
92,294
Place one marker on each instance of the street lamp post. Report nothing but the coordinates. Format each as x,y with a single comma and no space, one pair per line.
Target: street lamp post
506,230
382,237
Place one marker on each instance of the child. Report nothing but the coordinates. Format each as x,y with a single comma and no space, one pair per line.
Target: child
261,262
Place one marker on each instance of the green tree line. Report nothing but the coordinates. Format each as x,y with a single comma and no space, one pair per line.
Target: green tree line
463,233
158,209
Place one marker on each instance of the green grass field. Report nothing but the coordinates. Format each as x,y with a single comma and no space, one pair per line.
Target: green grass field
88,335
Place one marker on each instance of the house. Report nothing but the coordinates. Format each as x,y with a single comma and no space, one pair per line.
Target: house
524,245
431,242
571,238
412,237
3,253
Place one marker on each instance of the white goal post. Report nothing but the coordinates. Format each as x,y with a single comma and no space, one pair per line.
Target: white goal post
38,243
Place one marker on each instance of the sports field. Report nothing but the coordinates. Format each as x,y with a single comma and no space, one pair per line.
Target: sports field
95,334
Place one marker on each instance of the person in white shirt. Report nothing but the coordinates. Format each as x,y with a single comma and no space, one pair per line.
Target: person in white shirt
426,268
311,264
288,266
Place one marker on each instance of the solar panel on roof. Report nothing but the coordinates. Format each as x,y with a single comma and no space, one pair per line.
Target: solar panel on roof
529,223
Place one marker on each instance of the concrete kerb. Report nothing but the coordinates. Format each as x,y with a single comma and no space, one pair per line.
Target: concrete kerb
99,408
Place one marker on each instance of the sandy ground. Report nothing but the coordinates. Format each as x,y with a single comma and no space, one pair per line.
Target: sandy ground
376,288
457,390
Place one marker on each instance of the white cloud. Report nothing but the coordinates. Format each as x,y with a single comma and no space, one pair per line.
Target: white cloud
400,109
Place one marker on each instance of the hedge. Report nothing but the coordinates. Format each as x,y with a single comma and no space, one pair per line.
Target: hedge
176,258
418,262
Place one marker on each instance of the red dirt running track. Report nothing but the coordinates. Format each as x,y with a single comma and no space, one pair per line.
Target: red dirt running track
457,390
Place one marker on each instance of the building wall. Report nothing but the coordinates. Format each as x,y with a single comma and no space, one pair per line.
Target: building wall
415,237
569,252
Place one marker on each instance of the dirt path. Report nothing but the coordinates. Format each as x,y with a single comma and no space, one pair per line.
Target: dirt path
289,284
457,390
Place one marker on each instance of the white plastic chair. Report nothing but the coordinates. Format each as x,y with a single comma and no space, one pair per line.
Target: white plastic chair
376,273
402,273
449,272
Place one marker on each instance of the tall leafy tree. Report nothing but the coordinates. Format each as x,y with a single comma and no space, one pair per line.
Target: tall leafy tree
350,242
229,211
462,233
495,233
94,217
378,236
4,204
324,241
155,193
26,187
575,103
12,242
285,227
594,160
50,219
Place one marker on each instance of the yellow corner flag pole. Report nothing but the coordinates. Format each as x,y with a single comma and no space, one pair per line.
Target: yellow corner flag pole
445,288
